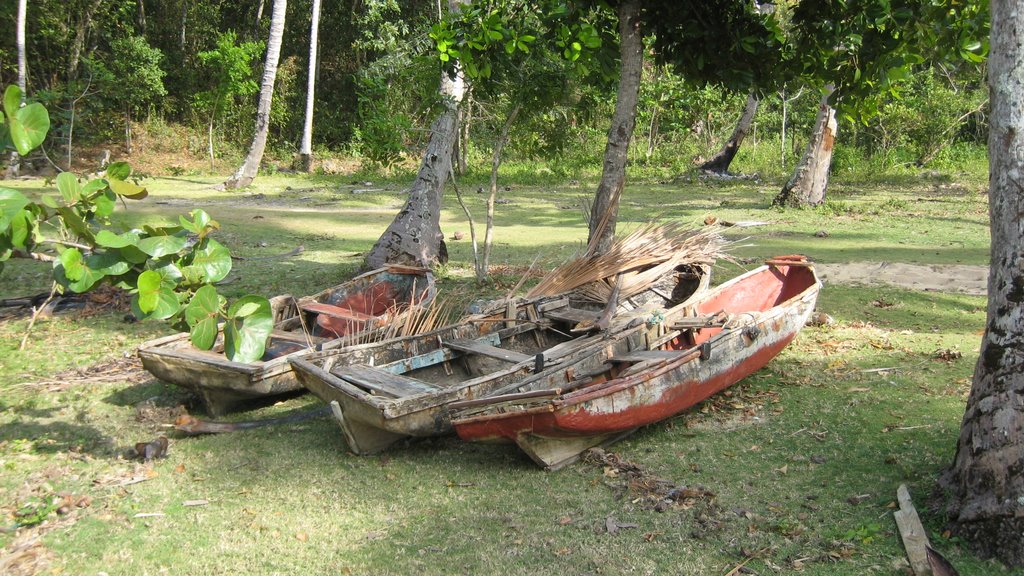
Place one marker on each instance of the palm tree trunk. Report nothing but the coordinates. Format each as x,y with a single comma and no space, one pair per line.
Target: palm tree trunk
719,163
605,210
246,173
985,484
14,161
306,149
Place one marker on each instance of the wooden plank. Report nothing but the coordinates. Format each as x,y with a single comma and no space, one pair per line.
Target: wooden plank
569,314
545,306
488,400
418,361
645,355
915,540
484,349
334,311
377,380
686,323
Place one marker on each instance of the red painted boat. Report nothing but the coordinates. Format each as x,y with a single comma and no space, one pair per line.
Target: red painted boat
701,348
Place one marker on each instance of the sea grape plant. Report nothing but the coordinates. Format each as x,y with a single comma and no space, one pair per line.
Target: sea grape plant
170,270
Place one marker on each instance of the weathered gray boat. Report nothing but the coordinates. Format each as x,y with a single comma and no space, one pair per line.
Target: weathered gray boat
350,312
386,391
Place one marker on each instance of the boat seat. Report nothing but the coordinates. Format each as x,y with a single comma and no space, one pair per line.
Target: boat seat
690,322
383,382
484,349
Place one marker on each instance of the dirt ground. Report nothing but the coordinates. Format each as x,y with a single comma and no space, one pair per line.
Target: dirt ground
938,278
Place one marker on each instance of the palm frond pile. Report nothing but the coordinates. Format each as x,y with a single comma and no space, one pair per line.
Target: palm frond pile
649,253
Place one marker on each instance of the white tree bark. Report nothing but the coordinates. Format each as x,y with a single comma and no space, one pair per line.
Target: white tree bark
809,183
14,161
986,483
246,173
306,148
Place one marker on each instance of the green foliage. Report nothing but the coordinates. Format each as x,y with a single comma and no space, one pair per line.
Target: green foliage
26,126
135,72
166,268
230,77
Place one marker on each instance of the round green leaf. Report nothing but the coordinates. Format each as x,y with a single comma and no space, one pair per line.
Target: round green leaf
107,263
12,100
245,338
247,309
213,259
67,185
205,304
108,239
204,333
119,171
105,204
29,127
157,246
11,202
127,189
71,260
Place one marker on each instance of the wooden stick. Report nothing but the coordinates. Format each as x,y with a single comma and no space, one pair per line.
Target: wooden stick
915,540
35,315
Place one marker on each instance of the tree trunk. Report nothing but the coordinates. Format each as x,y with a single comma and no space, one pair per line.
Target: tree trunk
986,481
809,182
14,161
78,44
140,18
306,150
250,167
414,237
719,163
605,210
484,264
461,152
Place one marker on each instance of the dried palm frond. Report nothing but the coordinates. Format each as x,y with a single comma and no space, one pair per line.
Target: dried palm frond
403,321
642,257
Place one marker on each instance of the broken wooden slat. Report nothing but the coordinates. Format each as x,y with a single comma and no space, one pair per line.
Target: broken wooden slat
687,323
484,349
545,306
569,314
645,355
915,541
383,382
295,336
505,398
334,311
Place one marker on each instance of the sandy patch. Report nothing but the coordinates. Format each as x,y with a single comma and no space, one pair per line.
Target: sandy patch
936,278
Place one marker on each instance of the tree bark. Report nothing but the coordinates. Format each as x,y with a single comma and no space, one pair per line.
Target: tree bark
250,167
605,209
14,161
809,182
414,237
306,149
719,163
985,484
140,18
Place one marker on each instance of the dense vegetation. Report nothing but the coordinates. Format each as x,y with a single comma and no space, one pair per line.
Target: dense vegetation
184,76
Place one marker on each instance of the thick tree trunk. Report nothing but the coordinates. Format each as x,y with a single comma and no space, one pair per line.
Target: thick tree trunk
605,209
809,182
414,236
483,265
140,18
986,482
719,163
306,149
251,166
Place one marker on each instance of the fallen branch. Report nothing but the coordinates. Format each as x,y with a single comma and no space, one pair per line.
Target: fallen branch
194,426
35,315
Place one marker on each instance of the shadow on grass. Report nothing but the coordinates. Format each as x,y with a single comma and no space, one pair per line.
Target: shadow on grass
53,437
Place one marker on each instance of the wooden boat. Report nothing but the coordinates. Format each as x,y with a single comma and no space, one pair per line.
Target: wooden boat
350,312
707,345
383,392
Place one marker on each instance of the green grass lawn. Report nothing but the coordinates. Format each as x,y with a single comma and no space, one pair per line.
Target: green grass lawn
794,470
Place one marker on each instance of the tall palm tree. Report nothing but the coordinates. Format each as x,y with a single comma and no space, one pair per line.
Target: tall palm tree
306,149
250,167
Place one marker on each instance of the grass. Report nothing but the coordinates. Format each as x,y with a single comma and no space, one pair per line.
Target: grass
803,459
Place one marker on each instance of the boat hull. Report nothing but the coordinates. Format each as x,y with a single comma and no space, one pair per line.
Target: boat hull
553,432
224,385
